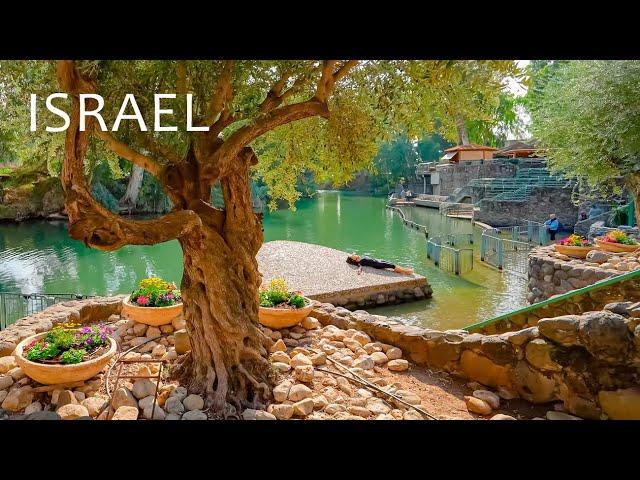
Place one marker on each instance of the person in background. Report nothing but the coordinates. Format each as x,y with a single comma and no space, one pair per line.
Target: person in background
403,194
552,225
359,261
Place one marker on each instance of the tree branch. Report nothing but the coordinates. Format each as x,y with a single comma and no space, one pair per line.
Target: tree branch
123,150
222,95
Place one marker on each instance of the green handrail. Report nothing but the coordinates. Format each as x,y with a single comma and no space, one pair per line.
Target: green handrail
560,298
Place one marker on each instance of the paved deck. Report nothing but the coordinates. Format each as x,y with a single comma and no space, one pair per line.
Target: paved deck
323,274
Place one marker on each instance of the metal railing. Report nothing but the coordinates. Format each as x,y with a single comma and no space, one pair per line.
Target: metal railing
442,250
14,306
457,209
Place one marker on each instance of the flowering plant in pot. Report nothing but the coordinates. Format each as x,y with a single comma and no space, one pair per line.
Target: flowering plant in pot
65,353
280,307
155,302
617,241
574,246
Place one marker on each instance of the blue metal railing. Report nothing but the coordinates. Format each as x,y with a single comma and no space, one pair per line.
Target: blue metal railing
441,249
14,306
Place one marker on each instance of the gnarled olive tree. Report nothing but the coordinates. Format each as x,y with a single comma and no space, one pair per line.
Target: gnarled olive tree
327,117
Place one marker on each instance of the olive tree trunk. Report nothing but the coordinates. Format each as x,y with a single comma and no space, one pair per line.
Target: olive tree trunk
130,197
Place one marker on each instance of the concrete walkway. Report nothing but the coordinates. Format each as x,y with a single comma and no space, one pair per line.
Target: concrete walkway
323,274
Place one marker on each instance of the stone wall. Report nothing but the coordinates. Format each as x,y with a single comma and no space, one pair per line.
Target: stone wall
542,202
589,361
76,311
390,294
460,174
551,273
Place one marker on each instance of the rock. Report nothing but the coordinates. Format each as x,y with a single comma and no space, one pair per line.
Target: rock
194,415
139,329
501,416
553,415
143,387
393,353
179,323
605,335
281,391
170,355
411,414
562,330
43,415
166,328
263,415
621,404
7,363
359,411
300,360
506,394
94,405
193,402
153,332
5,381
373,347
333,408
364,362
32,408
491,398
539,353
172,416
408,397
282,411
151,413
361,338
147,347
498,350
398,365
597,256
279,346
310,323
304,373
72,411
320,402
280,356
123,397
125,412
344,385
299,392
319,359
181,341
532,385
16,373
18,399
281,367
3,395
180,393
379,358
80,396
521,337
377,406
303,407
476,405
146,402
159,350
174,405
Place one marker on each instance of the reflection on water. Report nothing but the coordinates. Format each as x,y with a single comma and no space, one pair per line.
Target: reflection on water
40,257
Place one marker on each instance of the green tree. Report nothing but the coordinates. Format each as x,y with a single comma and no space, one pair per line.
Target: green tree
281,118
588,118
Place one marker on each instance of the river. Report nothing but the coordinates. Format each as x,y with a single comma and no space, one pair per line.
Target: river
39,256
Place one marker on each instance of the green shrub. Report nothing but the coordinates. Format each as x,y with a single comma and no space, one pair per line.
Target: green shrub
73,355
42,350
277,293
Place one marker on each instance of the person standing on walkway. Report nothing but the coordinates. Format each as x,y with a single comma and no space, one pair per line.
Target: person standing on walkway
552,225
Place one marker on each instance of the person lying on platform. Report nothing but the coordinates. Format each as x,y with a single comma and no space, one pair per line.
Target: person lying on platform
359,261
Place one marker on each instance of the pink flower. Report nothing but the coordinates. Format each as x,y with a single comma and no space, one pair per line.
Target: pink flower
142,300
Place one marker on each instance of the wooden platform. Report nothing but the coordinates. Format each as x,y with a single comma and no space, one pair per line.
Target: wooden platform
323,274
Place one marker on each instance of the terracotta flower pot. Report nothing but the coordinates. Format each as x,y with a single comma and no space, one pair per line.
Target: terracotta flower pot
51,374
277,318
154,316
572,251
616,247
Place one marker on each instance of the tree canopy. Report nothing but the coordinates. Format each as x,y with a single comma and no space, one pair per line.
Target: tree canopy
587,117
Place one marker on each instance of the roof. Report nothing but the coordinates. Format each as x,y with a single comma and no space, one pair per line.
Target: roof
471,146
518,146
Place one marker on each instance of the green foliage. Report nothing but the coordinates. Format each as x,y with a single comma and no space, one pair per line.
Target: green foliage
277,294
72,355
588,117
42,350
155,292
63,338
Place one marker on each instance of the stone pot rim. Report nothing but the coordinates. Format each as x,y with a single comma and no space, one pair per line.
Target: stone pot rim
133,305
20,347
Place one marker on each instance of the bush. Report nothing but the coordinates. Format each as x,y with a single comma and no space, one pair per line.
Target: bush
277,294
67,345
155,292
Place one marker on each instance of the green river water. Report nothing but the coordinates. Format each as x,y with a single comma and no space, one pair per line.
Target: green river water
40,257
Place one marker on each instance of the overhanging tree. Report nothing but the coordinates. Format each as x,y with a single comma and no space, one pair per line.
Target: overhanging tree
326,117
587,117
